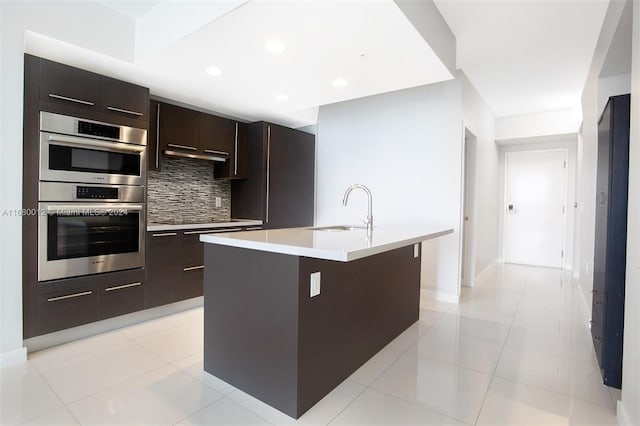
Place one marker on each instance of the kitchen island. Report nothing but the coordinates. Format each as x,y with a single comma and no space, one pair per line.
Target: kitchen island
290,313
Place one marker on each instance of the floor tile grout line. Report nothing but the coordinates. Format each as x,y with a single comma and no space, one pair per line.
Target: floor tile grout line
486,394
365,388
248,409
197,411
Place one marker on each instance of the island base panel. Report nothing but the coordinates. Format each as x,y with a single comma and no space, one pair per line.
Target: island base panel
265,335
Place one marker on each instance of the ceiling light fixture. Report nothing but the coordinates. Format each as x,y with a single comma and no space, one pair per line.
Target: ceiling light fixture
281,97
214,71
275,46
340,82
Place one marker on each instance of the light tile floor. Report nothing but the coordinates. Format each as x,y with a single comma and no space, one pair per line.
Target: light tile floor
515,351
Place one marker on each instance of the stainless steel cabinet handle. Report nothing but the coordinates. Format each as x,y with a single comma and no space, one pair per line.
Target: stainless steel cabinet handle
126,111
191,148
213,151
193,268
255,228
268,170
69,296
76,142
235,153
209,231
158,138
119,287
166,234
65,98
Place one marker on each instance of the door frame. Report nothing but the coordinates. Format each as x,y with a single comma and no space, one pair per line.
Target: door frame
468,237
505,202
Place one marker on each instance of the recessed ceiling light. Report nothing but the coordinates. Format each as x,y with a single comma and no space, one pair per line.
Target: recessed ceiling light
274,46
215,71
340,82
281,97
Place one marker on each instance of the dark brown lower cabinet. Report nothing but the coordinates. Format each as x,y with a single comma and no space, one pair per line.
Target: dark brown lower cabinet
67,303
192,264
163,269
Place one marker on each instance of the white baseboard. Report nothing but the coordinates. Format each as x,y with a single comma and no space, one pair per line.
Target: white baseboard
14,357
623,416
440,296
69,335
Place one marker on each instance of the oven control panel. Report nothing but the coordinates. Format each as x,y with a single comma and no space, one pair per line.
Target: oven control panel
96,193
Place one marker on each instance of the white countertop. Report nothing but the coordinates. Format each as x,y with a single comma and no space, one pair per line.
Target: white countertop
342,246
153,227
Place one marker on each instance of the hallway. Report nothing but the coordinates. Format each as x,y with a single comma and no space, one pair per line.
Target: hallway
515,351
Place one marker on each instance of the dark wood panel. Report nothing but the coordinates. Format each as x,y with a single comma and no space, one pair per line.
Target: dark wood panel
291,178
235,168
153,143
127,97
122,294
179,126
362,306
163,268
251,322
191,284
70,82
248,195
60,309
217,133
30,150
191,249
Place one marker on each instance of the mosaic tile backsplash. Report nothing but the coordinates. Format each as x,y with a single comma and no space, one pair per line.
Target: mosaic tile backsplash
184,191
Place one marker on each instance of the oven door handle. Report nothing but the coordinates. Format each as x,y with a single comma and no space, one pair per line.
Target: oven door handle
66,208
101,145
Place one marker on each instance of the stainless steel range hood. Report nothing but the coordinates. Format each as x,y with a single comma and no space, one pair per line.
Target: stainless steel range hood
214,156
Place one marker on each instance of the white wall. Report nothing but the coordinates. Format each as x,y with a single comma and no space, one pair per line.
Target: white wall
629,407
559,142
65,21
479,119
406,146
612,86
538,124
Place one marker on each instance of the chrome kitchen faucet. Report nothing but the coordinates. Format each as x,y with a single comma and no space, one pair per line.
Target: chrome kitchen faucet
369,220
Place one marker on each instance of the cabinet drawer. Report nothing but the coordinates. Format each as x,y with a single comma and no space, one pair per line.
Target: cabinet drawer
191,249
125,100
68,86
192,282
122,295
61,309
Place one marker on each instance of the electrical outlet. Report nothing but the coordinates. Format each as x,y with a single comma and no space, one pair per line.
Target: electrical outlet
315,284
218,202
416,250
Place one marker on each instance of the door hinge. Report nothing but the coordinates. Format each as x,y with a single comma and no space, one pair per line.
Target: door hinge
563,209
562,254
564,164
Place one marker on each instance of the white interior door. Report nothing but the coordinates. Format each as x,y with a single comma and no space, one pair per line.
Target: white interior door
535,206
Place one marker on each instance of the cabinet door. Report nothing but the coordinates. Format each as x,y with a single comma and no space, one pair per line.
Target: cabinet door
290,178
65,308
162,267
122,294
236,166
71,89
179,128
124,100
153,140
216,135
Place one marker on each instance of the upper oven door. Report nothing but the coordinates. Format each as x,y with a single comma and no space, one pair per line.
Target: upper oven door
81,239
76,159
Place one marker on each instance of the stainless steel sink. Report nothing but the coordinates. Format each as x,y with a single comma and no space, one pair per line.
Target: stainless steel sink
338,228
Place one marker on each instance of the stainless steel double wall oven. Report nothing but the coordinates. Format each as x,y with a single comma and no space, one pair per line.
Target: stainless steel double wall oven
91,199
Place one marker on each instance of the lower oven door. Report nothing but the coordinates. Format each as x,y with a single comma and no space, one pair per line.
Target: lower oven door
76,239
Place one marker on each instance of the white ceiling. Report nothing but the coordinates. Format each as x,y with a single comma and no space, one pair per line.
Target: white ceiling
369,43
525,56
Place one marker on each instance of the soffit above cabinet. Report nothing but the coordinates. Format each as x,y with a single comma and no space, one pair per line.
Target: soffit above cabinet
369,44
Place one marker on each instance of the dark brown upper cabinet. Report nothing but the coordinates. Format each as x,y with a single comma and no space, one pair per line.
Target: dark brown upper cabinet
125,99
68,87
72,91
185,131
280,184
